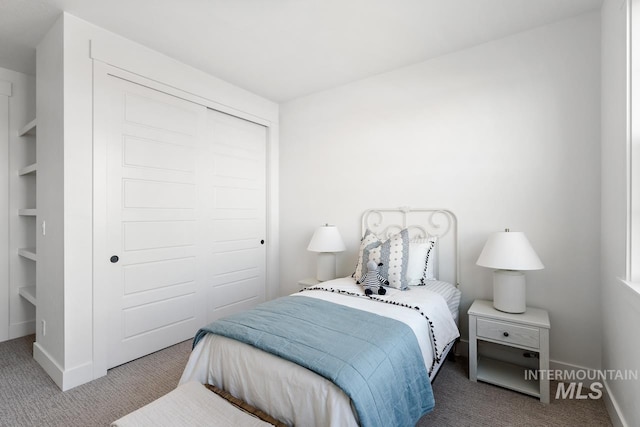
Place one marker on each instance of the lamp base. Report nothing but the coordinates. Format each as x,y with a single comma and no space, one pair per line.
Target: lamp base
326,266
509,291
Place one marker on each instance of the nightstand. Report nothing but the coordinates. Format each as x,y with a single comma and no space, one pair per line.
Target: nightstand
527,331
310,281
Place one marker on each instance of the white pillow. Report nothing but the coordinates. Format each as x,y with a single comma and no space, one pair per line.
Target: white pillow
421,261
417,259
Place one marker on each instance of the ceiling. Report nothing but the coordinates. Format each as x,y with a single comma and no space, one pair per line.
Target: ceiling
284,49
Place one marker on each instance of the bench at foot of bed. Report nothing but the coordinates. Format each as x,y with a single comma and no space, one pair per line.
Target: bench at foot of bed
191,404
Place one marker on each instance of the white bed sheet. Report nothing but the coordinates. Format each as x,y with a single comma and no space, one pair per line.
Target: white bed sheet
296,395
449,292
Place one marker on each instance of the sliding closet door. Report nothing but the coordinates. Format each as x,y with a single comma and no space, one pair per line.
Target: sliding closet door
185,216
235,204
153,222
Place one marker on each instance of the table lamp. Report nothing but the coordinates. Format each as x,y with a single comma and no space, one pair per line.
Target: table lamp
509,253
326,241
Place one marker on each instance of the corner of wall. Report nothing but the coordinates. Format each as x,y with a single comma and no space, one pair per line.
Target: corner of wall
615,413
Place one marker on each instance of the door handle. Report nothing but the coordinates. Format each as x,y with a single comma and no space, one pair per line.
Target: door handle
114,259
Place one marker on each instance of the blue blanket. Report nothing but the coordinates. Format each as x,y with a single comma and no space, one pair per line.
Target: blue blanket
375,360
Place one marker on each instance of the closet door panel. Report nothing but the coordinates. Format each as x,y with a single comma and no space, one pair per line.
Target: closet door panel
152,219
236,212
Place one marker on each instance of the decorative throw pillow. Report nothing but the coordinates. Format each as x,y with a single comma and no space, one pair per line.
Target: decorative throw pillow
418,253
422,256
393,253
368,241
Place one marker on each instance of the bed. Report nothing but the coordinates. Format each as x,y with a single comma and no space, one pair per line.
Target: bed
274,357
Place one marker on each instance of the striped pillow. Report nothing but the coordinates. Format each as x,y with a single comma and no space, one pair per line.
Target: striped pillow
369,240
393,253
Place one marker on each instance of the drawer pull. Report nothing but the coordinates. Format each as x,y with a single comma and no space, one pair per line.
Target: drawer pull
506,332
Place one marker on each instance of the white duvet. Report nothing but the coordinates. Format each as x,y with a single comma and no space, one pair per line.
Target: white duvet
296,395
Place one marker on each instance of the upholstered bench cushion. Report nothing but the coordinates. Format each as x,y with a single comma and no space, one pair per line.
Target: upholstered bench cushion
190,404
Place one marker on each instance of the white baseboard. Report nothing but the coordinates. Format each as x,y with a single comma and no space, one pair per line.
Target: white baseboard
21,329
615,415
49,365
564,367
65,379
77,376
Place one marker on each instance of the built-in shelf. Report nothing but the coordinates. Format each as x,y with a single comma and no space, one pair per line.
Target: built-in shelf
28,169
29,253
28,293
506,375
22,241
27,212
28,129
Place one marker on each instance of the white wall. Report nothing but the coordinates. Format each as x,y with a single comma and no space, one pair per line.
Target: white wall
620,303
72,352
18,315
49,349
505,134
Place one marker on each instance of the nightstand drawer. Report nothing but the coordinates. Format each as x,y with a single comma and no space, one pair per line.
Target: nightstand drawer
508,333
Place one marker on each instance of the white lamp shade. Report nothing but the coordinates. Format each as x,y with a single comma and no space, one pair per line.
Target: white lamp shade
509,250
326,239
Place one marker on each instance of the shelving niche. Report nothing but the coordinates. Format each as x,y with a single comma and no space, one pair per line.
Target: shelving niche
28,291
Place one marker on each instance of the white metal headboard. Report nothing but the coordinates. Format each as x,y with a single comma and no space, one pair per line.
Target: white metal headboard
421,223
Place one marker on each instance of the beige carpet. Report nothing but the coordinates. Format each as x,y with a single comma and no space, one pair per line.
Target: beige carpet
460,402
28,397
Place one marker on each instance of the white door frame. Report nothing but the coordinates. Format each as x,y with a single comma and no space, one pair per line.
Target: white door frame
101,72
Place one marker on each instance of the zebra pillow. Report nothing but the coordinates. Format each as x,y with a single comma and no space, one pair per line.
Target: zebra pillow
393,253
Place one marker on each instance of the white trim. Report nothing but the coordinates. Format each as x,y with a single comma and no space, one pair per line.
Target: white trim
20,329
168,71
77,376
556,365
628,130
50,366
178,93
5,300
634,287
273,214
613,409
65,379
99,206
